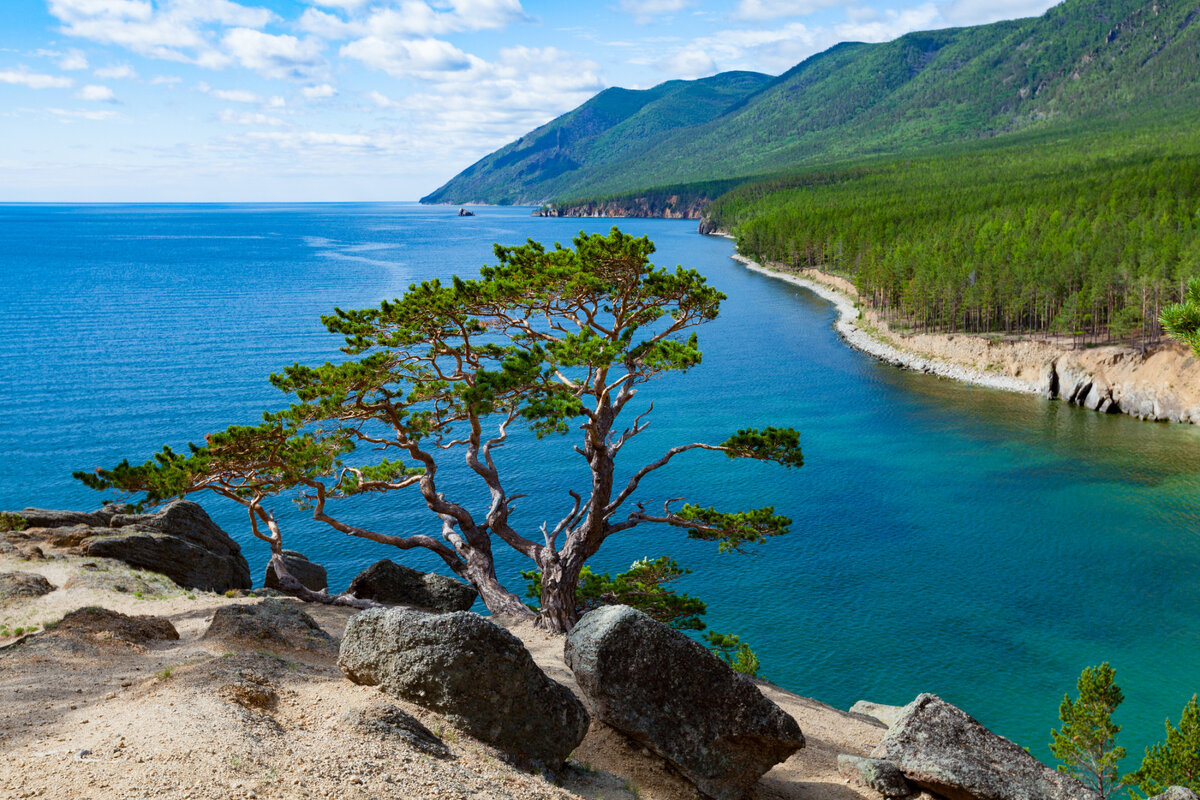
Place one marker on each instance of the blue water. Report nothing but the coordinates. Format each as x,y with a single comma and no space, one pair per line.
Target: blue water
947,538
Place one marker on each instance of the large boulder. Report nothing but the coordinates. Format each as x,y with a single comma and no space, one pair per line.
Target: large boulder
1176,793
22,585
180,541
942,749
882,776
267,624
391,584
670,694
312,576
475,673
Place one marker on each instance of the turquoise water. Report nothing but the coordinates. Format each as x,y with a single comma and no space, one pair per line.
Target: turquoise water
947,538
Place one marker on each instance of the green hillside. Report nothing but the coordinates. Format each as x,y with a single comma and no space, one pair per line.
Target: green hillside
611,126
1082,59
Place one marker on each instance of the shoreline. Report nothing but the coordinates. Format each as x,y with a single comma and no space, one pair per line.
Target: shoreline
873,345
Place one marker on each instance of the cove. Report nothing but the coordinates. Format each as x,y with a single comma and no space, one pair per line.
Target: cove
946,538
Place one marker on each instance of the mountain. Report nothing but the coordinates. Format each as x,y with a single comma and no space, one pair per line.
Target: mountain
1082,59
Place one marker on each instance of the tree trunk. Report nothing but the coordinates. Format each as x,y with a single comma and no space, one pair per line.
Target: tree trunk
559,581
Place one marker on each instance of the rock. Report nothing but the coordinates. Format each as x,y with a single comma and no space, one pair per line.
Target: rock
311,575
15,585
112,576
474,672
47,518
268,623
668,693
885,715
389,583
882,776
1176,793
386,720
180,541
133,629
942,749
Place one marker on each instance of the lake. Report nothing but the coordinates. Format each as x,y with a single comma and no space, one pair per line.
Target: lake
947,538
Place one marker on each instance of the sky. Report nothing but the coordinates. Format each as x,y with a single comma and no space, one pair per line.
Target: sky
361,100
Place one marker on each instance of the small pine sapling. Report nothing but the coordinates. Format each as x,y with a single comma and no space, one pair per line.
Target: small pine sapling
1086,743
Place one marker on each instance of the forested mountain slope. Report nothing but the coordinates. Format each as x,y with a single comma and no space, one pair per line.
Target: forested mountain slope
1083,58
612,126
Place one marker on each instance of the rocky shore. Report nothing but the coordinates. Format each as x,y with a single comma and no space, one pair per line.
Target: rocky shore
117,682
1162,385
672,207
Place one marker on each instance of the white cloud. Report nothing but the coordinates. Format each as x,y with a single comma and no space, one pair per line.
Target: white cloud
403,58
689,63
294,140
34,80
274,56
73,60
381,100
889,25
231,117
230,95
343,4
415,19
773,9
116,72
177,30
99,94
322,92
89,115
166,80
979,12
645,11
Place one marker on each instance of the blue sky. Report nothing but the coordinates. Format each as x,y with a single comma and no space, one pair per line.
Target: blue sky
332,100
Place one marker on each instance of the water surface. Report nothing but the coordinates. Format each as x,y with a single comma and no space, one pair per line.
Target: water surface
947,538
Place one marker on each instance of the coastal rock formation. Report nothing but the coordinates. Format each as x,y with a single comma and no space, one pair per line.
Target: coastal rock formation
395,585
1163,384
884,715
312,576
476,673
180,541
386,720
91,622
672,207
23,584
882,776
940,748
670,694
1176,793
268,624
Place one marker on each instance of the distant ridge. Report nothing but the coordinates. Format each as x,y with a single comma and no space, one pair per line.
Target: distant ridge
1083,58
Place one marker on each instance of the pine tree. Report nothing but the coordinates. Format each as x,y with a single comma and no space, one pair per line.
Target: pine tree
1086,744
1175,762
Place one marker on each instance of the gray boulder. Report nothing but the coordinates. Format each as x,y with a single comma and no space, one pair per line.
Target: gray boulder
48,518
268,624
670,694
1176,793
884,715
882,776
475,673
942,749
391,584
311,576
180,541
14,585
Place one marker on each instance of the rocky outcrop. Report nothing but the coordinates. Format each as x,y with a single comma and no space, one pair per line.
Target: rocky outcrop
387,721
940,748
882,776
671,695
395,585
268,624
312,576
671,207
180,541
1162,384
475,673
91,622
15,585
1176,793
884,715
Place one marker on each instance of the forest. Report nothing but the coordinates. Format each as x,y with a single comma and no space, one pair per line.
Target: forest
1082,232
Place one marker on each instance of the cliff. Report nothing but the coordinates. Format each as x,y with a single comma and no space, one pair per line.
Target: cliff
672,207
1161,385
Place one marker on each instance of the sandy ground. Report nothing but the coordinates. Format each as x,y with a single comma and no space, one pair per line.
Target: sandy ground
93,716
